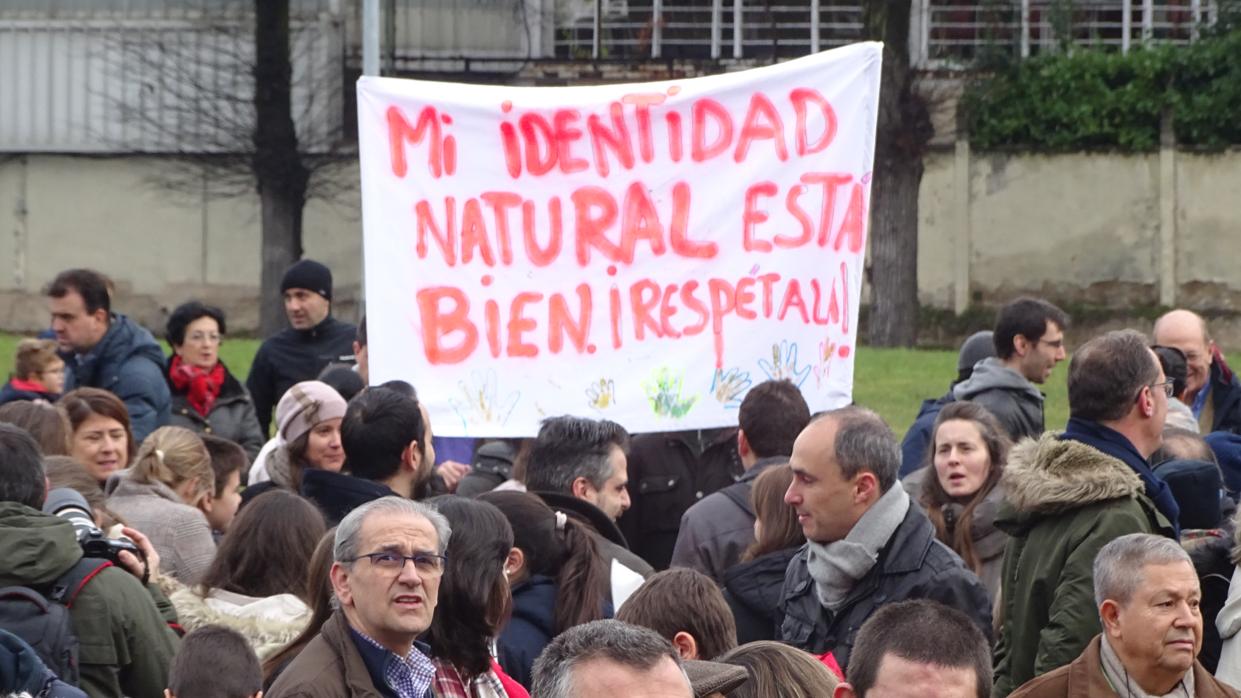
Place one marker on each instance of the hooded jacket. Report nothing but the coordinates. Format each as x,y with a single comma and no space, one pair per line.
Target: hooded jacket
912,565
268,624
179,532
292,356
125,646
1063,502
715,531
231,417
1008,395
130,364
752,590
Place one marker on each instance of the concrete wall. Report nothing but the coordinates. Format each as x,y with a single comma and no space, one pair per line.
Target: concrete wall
1108,230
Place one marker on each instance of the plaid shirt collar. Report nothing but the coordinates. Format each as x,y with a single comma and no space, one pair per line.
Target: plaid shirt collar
406,677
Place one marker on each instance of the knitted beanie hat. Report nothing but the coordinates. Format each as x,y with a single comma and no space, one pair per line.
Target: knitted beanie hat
305,405
310,275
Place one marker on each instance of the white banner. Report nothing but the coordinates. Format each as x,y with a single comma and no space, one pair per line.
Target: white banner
644,252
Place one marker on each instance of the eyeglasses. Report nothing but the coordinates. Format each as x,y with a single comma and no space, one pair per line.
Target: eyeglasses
393,563
1056,344
202,337
1166,385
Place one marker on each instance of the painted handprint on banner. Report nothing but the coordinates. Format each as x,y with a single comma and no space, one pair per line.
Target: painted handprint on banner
602,393
823,361
783,364
477,400
729,387
663,391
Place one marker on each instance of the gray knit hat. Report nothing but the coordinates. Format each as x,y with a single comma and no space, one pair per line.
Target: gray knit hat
979,346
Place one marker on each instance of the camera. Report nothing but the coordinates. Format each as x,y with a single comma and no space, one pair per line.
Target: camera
70,504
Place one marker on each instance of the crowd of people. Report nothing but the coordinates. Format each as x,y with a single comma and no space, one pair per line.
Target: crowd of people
157,540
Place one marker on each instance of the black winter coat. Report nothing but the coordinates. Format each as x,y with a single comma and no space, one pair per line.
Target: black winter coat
292,356
913,565
668,473
752,590
337,494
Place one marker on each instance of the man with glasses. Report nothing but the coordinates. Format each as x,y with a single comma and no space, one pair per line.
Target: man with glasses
1029,342
1212,390
1069,494
388,560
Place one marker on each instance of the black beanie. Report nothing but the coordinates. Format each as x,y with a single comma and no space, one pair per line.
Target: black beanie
310,275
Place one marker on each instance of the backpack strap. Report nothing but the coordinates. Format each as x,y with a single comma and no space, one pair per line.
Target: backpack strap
66,588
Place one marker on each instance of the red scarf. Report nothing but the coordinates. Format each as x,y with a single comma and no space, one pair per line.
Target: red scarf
201,387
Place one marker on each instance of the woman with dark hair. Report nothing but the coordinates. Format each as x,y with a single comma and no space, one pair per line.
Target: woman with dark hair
318,597
474,602
556,576
101,439
959,487
257,583
47,423
205,396
752,586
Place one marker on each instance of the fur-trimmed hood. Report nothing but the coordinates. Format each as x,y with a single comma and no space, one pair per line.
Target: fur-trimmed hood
1051,475
268,623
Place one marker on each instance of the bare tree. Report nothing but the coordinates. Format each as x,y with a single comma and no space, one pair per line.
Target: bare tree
247,100
903,132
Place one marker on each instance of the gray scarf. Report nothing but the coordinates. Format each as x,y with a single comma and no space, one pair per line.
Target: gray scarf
1124,685
837,567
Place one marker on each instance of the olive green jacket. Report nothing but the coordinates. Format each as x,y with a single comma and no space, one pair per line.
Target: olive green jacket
1063,502
125,645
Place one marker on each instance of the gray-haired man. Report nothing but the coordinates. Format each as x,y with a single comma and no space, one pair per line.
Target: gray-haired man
609,659
1147,594
389,556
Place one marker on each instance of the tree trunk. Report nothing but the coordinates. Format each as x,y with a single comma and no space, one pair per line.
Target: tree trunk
903,131
280,175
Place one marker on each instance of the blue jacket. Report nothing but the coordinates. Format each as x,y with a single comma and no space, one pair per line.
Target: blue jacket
130,364
529,630
10,393
22,671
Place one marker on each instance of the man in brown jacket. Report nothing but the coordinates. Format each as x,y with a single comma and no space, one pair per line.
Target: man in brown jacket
1148,596
389,556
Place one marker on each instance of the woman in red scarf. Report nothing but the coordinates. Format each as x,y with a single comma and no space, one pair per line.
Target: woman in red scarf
205,396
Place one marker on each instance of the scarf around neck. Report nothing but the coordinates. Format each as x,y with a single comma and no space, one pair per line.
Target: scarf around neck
201,387
1114,444
836,567
1124,685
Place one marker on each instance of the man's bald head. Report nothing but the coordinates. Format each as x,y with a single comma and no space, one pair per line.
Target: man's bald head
1187,331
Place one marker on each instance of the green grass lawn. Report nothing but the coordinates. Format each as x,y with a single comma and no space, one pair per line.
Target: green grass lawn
893,382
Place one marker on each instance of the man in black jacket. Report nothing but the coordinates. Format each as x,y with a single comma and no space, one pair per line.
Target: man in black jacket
867,544
300,352
1212,391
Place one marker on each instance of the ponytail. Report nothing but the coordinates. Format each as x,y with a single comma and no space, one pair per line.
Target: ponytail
581,579
174,456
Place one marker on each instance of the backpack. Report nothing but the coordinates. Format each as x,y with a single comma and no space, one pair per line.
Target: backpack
41,617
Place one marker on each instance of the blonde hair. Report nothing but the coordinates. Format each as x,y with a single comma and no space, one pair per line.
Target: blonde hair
174,456
33,356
